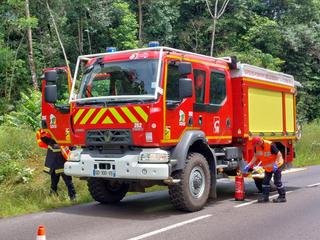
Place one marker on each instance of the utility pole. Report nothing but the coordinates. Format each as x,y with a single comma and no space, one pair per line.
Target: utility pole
140,2
215,16
89,39
30,49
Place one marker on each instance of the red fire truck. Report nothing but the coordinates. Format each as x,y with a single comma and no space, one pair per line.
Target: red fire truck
163,116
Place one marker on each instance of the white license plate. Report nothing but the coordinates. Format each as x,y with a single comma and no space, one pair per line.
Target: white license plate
104,173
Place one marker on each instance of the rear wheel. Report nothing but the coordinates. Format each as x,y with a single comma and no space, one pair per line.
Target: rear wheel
106,191
192,192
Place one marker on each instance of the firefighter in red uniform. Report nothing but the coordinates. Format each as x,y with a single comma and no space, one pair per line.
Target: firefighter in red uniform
54,163
272,162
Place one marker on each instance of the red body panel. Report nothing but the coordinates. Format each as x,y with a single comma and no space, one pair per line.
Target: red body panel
54,121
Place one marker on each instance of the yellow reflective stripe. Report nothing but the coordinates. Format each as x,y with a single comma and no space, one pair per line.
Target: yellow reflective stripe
129,115
117,115
61,170
142,113
219,137
87,116
54,149
107,120
98,116
78,115
46,169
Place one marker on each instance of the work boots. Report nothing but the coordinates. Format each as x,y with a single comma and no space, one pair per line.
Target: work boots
280,199
282,195
264,197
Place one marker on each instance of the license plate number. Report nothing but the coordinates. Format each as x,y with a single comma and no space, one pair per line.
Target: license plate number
104,173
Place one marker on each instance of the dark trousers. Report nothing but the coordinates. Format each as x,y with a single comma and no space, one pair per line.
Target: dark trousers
67,180
277,181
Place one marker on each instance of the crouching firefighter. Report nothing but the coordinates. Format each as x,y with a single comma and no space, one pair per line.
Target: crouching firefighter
54,163
271,160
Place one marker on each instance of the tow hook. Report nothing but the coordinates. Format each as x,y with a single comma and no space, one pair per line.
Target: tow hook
171,181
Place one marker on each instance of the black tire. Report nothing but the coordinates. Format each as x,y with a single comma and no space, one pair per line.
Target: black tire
181,194
106,191
258,182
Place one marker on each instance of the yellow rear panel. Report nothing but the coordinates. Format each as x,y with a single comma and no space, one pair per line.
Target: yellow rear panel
289,113
265,111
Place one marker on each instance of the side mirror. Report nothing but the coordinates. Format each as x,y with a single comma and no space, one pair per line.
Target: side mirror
185,68
185,88
50,94
51,76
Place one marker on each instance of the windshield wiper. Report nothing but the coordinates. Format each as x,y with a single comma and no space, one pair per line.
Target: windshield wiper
129,100
92,102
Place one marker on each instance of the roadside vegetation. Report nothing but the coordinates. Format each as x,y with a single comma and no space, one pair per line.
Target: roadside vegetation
308,148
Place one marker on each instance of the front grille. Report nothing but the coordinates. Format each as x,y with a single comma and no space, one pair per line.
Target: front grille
109,137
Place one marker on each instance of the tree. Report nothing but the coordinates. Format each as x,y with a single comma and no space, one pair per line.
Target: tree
123,32
140,2
215,16
30,54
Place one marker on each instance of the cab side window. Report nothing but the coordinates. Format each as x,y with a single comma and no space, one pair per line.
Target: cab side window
173,76
62,88
217,87
199,84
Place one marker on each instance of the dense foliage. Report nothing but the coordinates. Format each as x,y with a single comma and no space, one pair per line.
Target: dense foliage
282,35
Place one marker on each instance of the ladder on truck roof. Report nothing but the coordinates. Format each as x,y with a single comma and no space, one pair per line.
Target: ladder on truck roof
263,74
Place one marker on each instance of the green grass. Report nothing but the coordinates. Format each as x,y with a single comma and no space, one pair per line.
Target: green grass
308,148
17,199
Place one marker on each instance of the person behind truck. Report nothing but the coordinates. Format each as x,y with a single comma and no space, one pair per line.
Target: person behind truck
271,160
54,164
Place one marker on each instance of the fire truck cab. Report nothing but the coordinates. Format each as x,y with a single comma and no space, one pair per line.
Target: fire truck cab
163,116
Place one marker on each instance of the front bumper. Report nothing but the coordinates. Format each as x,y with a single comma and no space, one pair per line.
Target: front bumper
124,166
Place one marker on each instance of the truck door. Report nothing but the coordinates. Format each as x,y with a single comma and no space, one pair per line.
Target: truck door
200,82
56,117
219,113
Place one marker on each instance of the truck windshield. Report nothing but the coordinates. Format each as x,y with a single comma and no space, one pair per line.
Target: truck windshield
122,78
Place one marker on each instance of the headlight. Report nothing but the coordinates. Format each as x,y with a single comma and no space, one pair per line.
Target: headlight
160,156
75,155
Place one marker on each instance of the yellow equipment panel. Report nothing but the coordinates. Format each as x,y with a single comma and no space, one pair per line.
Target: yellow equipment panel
289,112
265,111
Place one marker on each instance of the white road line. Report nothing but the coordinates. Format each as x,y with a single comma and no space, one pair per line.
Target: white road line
314,185
254,201
293,170
169,227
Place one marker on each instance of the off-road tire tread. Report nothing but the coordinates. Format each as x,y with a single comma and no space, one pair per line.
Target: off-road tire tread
177,191
99,192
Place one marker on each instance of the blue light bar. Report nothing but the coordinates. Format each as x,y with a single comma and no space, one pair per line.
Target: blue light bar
111,49
154,44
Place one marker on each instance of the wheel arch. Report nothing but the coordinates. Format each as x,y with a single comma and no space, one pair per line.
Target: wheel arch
192,141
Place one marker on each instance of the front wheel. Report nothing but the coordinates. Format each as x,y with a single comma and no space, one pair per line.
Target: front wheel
192,192
106,191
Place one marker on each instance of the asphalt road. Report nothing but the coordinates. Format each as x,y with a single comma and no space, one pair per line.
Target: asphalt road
151,216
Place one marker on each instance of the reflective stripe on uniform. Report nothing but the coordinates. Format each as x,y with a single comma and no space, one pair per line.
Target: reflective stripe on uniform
65,152
46,169
259,153
61,170
54,149
267,154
